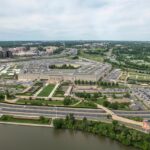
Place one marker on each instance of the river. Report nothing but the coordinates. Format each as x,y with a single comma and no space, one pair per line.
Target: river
37,138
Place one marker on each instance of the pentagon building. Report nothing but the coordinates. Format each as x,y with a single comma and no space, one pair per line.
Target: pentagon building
82,70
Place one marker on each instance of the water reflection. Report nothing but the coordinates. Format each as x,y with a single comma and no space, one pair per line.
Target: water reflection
37,138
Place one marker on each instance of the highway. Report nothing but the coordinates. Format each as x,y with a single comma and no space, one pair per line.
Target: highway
142,114
131,112
53,112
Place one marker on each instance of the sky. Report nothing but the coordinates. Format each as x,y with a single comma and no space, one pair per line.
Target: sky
75,20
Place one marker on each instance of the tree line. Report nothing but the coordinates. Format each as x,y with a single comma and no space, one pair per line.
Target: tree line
99,83
115,131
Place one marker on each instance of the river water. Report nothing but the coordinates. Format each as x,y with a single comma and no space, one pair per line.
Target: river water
37,138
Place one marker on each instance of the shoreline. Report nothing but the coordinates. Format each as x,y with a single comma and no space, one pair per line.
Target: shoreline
54,126
25,124
51,126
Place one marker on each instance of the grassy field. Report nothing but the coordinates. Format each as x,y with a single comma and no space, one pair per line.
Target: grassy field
100,101
60,91
47,90
91,56
135,76
123,76
139,77
22,120
86,105
40,102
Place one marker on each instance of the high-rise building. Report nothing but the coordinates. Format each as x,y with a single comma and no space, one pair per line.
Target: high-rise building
5,53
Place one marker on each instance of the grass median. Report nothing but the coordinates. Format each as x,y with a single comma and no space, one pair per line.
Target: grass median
40,102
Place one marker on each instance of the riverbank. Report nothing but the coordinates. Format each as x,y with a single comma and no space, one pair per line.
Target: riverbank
15,137
38,122
114,131
26,124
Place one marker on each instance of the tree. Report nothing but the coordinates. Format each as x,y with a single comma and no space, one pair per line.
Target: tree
2,96
82,82
43,119
115,123
67,101
127,95
76,82
106,103
114,96
71,119
79,82
109,116
58,123
104,97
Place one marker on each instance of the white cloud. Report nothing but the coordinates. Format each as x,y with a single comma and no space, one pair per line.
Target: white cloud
74,19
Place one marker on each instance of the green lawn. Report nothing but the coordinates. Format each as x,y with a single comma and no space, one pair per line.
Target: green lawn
40,102
41,120
100,101
86,105
59,92
91,56
47,90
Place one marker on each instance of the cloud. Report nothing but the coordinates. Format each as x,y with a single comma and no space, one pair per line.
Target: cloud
74,19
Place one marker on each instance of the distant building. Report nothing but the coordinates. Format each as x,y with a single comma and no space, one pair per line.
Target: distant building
9,54
50,49
5,53
146,125
17,50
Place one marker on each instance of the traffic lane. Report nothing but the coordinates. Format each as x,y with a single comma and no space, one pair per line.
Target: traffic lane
52,114
48,112
71,109
132,112
53,108
136,115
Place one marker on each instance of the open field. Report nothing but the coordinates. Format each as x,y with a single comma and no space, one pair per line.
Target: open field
23,120
33,89
139,77
86,105
60,91
47,90
91,56
40,102
123,76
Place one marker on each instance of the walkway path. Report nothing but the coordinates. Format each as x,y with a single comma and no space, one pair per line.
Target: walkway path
115,116
39,91
53,91
118,118
67,93
77,103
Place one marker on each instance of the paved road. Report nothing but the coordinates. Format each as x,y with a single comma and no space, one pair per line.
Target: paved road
51,111
120,112
63,111
120,118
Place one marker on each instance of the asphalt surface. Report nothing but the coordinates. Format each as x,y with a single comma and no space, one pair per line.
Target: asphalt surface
24,110
95,114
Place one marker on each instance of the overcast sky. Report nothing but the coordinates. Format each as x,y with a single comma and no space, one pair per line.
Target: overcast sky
74,19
